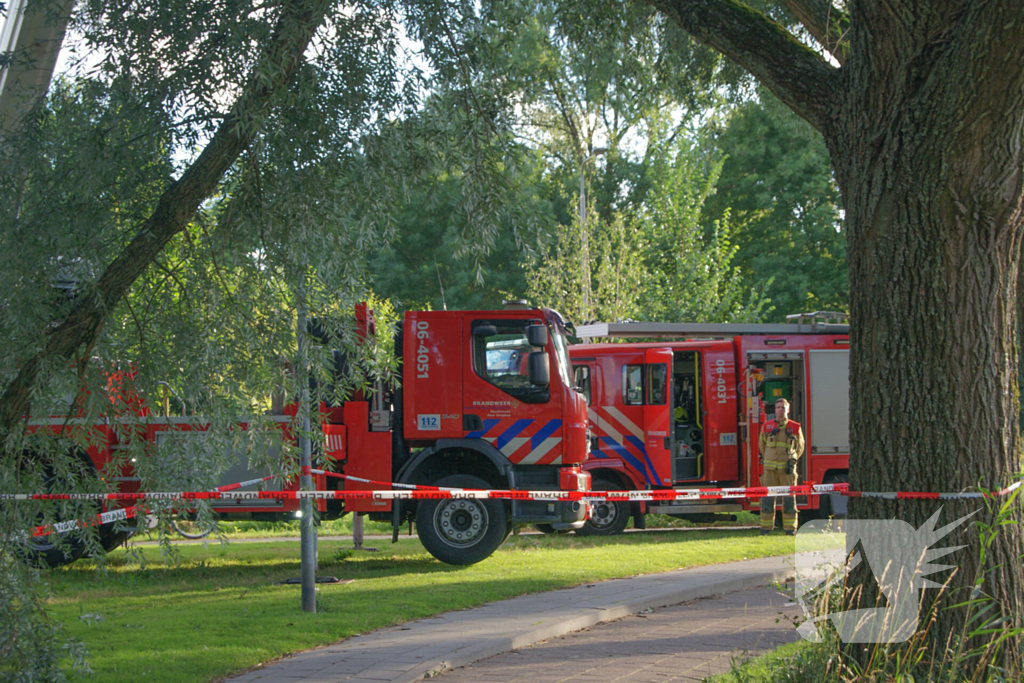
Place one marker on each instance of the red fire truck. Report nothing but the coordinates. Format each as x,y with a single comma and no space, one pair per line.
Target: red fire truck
686,411
486,402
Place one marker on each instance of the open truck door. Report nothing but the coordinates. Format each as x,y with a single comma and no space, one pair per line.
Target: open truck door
658,437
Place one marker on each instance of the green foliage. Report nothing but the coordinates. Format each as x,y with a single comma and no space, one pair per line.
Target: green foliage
689,275
28,634
653,262
785,208
610,270
427,255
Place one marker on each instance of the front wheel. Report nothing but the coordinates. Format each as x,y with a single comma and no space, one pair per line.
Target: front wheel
606,518
462,531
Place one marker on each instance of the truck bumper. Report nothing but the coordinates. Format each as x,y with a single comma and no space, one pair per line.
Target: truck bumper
562,514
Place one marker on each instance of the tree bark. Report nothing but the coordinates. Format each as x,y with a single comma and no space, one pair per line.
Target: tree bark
792,71
924,123
928,155
271,74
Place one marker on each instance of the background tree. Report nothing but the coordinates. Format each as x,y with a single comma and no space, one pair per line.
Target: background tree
921,121
784,205
427,264
557,273
653,260
689,273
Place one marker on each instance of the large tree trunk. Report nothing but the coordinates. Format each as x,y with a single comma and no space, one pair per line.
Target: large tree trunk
927,150
924,122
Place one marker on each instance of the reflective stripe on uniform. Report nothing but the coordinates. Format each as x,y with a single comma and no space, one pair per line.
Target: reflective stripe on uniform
777,444
773,465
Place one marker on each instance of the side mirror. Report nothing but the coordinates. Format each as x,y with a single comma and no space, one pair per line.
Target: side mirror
485,331
537,335
539,368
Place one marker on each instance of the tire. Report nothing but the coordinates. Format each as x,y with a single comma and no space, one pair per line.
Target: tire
191,529
45,551
607,519
462,531
826,501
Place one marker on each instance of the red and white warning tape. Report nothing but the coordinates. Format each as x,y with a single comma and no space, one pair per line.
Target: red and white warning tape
113,515
753,492
420,492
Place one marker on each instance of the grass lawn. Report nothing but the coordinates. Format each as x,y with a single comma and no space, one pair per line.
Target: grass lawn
217,611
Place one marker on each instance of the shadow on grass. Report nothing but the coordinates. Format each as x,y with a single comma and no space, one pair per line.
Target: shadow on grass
678,536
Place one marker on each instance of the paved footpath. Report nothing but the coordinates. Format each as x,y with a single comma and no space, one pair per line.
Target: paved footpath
682,643
427,647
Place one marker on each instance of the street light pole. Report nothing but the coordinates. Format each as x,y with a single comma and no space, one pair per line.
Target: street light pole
307,529
585,314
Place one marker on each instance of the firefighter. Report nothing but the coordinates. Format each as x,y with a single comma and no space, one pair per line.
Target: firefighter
780,447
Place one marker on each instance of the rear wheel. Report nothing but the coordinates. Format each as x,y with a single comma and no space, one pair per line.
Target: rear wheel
192,529
46,550
55,550
606,518
462,531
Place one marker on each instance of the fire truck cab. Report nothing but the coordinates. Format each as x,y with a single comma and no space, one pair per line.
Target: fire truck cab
686,411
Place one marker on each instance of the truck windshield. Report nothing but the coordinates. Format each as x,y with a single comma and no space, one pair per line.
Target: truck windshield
561,353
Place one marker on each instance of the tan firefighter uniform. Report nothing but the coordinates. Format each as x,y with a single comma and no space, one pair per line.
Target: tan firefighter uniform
779,443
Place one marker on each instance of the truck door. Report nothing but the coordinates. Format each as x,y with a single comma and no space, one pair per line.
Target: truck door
522,420
658,439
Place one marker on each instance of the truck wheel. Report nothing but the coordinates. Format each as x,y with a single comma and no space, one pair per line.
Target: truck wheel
606,518
465,530
191,529
826,507
45,550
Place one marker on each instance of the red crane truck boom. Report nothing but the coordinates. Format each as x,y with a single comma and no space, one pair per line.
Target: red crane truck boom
686,411
487,402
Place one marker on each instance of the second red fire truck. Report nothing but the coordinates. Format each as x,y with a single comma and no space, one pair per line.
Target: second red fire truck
686,411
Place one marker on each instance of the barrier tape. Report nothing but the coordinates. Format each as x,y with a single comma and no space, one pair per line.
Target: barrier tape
421,492
436,493
838,489
115,515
